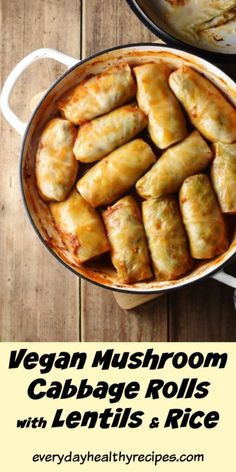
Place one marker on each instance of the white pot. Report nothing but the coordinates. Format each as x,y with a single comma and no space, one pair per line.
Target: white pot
38,212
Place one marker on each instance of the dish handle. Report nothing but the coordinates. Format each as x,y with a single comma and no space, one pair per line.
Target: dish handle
226,279
14,75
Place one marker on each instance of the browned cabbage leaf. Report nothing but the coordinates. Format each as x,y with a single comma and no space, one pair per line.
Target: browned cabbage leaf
127,238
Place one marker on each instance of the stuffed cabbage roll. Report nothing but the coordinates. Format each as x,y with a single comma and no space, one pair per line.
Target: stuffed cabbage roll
202,218
99,137
207,108
129,251
176,164
115,174
166,122
189,18
81,227
167,239
223,175
56,166
98,94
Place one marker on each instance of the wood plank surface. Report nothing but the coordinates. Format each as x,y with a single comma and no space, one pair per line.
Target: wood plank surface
39,299
103,320
202,312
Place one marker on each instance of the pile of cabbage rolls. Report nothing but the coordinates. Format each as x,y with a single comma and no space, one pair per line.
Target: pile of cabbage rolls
141,163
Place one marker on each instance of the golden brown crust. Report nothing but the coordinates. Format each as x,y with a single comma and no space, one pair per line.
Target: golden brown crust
98,94
56,167
127,238
202,218
166,122
207,108
223,176
81,227
167,239
114,175
99,137
186,158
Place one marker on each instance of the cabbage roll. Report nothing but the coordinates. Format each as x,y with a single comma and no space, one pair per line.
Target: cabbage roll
114,175
202,218
129,251
167,239
192,17
81,227
207,108
223,175
99,137
176,164
166,122
98,94
56,166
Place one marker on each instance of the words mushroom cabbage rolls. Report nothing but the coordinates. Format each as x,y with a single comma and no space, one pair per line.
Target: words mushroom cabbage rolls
104,134
98,94
166,123
223,175
115,174
56,167
81,227
208,110
127,238
180,161
167,239
202,218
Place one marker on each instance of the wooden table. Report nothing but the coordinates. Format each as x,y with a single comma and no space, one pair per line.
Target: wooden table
39,299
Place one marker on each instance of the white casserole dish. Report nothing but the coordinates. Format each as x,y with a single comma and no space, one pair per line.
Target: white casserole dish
101,272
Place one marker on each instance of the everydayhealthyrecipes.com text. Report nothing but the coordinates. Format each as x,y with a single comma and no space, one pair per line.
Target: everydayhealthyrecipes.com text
121,457
111,393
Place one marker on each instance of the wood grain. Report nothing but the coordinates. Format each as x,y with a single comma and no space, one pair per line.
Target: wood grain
103,320
110,23
203,312
39,299
128,301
